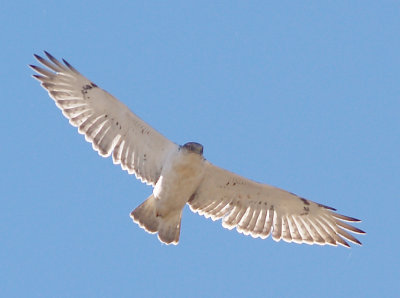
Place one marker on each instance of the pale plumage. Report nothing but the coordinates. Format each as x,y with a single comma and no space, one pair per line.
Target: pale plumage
181,175
105,121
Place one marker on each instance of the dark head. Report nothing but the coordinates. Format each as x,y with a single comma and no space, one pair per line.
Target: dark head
194,147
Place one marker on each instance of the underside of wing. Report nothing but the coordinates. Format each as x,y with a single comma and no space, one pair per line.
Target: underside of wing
261,210
106,122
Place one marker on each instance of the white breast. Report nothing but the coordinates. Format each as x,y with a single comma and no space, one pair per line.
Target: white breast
180,177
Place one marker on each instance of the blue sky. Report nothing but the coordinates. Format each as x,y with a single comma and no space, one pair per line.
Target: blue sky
303,95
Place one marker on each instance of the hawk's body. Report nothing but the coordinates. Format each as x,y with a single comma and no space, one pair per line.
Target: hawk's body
179,179
180,175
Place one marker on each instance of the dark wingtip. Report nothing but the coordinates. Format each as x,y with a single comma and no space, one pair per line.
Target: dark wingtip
38,77
353,219
344,217
327,207
356,241
67,64
52,58
48,54
34,67
344,243
39,58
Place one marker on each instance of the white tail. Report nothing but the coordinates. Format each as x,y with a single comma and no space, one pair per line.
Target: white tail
168,227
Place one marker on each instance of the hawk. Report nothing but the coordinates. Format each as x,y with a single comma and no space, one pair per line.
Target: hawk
181,175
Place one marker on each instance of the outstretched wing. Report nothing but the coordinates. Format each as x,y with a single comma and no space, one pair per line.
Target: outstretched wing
260,210
106,122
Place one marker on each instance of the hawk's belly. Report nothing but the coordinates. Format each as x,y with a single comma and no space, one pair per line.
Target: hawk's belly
179,179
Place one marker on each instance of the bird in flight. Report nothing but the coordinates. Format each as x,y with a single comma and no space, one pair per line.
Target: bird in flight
181,175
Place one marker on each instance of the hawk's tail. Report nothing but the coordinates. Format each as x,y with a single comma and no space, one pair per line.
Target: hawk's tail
168,227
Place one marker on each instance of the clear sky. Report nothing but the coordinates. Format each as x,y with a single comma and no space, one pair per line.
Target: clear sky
303,95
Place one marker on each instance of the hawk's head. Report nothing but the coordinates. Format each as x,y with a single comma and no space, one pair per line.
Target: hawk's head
194,147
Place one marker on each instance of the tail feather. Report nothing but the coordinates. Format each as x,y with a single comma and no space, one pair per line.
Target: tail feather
145,215
168,226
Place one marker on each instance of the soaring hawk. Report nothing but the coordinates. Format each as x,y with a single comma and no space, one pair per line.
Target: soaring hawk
181,175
